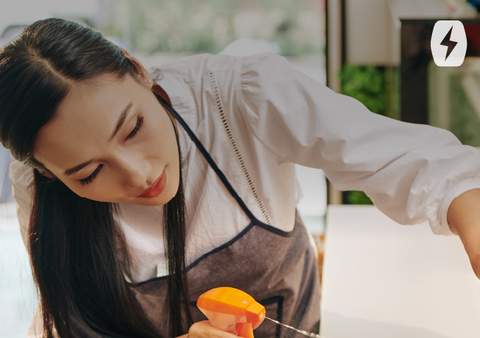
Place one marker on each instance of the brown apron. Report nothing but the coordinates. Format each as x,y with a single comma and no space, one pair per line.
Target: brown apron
277,268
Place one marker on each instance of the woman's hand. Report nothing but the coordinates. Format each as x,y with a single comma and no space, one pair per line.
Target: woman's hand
464,219
204,329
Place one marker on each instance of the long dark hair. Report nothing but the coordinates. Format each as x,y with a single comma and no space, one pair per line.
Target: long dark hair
75,261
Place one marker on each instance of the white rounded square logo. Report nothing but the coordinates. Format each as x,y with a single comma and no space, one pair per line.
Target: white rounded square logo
448,43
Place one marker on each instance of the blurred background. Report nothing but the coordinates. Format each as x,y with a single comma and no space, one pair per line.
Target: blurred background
377,51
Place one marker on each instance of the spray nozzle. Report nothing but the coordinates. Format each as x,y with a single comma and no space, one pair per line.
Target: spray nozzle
227,306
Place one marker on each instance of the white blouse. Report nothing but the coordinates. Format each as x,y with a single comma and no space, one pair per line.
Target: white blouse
257,116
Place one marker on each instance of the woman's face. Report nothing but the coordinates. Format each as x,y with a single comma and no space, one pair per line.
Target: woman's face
112,141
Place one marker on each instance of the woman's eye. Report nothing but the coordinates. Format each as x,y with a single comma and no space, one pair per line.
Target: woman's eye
136,129
89,179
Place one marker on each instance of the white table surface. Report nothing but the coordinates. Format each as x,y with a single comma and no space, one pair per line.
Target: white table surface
385,280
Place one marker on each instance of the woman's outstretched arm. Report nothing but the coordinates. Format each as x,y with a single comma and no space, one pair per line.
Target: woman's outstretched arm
411,172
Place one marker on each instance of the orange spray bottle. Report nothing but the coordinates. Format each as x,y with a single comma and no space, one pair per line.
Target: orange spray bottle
227,306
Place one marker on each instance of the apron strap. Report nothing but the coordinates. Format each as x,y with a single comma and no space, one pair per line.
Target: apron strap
212,163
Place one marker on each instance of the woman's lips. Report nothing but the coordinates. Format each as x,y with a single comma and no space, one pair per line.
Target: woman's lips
157,187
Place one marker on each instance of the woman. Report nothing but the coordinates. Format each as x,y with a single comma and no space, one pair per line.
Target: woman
207,146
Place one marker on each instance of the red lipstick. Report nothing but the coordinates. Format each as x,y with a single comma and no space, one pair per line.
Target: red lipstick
157,187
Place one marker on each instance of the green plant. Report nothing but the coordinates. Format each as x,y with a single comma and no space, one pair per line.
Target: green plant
356,197
366,84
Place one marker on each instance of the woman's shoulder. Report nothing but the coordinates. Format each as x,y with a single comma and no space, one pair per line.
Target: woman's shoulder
226,69
200,64
20,174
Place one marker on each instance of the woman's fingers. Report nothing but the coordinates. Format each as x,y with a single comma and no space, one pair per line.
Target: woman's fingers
471,241
255,325
475,261
204,329
464,219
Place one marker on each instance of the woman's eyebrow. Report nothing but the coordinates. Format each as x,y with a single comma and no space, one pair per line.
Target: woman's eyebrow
121,121
71,171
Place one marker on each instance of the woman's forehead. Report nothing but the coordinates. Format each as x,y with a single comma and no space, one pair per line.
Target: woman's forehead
91,107
85,120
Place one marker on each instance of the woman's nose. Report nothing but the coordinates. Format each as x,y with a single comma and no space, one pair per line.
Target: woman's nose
135,173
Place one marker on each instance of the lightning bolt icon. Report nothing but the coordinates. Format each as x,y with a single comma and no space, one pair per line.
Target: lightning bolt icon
449,43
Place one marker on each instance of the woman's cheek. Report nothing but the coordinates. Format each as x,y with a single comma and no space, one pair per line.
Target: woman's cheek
97,192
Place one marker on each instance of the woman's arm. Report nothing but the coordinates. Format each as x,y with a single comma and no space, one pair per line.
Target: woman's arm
411,172
464,219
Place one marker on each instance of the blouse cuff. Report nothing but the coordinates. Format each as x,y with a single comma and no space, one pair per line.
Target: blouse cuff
441,227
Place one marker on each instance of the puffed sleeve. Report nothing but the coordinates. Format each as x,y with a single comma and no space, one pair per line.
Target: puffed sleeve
21,177
411,172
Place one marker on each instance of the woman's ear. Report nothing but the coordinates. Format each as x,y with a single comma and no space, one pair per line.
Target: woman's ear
143,74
